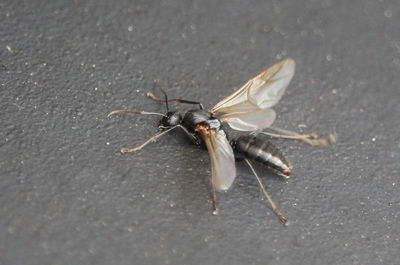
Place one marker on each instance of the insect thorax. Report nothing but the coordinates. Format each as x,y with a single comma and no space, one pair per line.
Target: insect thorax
196,117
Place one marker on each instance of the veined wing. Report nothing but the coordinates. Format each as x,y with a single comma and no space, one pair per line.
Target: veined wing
223,170
251,121
256,97
261,92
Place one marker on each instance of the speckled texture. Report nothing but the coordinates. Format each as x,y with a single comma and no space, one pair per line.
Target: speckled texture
67,196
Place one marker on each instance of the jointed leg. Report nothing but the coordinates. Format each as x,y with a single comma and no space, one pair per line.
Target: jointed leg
300,136
191,136
151,139
273,206
308,138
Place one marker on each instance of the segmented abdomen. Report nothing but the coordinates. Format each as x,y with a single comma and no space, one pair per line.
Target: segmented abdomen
261,150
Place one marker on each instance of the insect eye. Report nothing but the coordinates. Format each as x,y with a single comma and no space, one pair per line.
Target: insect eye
170,119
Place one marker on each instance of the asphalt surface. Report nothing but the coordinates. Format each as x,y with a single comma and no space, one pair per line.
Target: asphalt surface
68,196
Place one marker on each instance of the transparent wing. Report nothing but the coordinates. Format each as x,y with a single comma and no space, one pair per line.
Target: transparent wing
223,170
261,92
251,121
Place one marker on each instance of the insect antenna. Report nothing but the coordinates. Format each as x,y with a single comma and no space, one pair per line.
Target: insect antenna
162,91
166,100
271,202
134,112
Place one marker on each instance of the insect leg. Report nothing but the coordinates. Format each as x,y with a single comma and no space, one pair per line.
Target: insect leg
299,136
271,202
191,136
308,138
151,139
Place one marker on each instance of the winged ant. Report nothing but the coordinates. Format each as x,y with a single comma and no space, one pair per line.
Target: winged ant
249,109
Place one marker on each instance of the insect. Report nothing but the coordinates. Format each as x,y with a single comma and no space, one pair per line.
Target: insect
249,110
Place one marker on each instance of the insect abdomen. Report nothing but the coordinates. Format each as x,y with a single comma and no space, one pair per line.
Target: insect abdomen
261,150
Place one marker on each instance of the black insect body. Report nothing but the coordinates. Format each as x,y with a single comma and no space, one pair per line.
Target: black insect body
195,117
170,119
249,109
261,150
